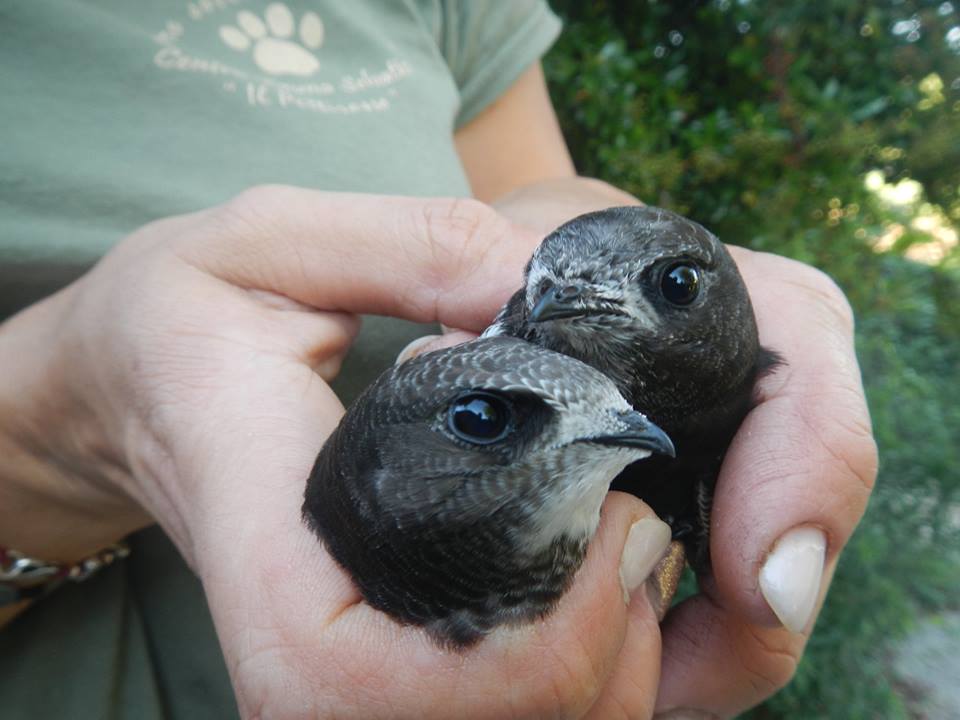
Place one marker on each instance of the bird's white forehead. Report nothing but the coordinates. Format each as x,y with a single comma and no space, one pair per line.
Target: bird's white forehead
616,282
610,273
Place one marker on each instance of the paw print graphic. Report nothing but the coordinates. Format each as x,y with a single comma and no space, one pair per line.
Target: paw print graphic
275,49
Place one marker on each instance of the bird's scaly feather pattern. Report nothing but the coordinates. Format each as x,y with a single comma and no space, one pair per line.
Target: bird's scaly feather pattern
460,537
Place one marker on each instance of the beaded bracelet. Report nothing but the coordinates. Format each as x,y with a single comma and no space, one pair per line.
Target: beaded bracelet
23,577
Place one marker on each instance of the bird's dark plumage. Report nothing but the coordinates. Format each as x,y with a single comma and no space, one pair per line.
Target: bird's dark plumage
461,489
654,301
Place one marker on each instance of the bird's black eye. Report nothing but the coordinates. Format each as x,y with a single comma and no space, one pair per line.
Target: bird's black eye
680,283
479,418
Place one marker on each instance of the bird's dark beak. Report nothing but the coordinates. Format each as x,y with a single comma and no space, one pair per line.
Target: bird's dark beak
558,303
639,432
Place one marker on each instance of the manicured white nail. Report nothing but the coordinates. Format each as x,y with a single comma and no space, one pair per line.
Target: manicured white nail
412,348
791,576
647,541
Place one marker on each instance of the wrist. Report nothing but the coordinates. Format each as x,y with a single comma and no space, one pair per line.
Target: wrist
61,495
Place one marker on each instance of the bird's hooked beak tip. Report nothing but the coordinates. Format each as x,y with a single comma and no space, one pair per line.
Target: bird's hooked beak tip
638,432
558,303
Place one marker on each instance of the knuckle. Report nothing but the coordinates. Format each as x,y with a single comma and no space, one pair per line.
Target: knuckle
854,472
564,677
254,207
769,659
458,215
452,237
459,232
859,453
846,438
824,289
569,693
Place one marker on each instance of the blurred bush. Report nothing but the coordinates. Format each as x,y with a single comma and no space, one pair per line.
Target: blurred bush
830,132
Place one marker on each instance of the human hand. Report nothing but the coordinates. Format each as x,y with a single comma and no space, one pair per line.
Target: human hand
191,364
804,458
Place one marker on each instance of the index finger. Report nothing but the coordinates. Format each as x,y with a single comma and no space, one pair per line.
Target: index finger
424,259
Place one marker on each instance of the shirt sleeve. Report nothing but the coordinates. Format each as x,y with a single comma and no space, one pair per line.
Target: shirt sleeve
488,44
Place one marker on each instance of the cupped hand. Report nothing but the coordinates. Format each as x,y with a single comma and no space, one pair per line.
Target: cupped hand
198,351
793,487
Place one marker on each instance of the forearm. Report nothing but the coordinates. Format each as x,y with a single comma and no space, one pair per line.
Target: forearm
544,205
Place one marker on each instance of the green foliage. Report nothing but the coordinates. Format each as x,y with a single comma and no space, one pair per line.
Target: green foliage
753,116
761,120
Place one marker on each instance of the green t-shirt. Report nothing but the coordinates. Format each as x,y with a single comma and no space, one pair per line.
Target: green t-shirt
116,113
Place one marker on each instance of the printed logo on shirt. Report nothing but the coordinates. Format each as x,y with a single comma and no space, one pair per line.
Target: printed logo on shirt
275,49
285,52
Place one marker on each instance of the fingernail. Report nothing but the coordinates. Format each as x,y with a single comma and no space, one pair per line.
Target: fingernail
685,714
791,576
646,542
413,348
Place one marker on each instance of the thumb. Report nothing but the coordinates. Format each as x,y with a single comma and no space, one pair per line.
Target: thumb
606,620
